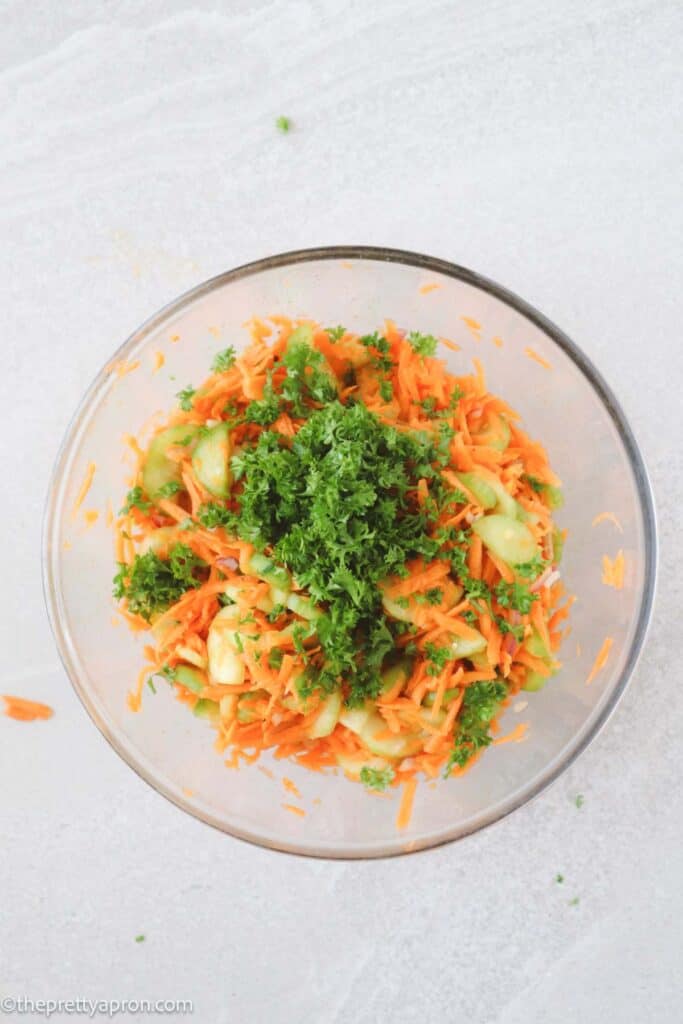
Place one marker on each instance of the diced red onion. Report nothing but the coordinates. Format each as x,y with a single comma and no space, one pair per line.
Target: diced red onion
538,583
227,563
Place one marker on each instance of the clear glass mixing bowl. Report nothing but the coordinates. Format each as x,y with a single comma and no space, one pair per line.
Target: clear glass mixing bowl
568,407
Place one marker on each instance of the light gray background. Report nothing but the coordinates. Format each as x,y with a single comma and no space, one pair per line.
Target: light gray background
537,143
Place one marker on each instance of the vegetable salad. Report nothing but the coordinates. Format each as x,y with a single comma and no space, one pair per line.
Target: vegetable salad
344,553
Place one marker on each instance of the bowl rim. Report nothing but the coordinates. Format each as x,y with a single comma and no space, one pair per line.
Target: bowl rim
581,361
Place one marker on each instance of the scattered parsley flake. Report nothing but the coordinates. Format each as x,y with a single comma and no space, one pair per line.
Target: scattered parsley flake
580,800
135,499
185,398
139,938
168,489
335,333
377,778
151,584
223,360
423,344
559,879
283,124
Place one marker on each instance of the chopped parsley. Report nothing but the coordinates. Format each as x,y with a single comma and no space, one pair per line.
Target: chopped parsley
167,490
579,801
152,584
275,657
377,778
283,124
223,360
531,570
559,879
438,658
516,596
335,333
574,902
423,344
135,499
185,398
386,390
480,706
212,514
139,938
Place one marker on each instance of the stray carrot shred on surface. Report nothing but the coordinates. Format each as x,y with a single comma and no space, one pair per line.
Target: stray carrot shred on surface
601,659
159,360
517,735
294,810
613,570
26,710
291,787
122,368
430,286
532,354
405,810
85,487
90,515
608,517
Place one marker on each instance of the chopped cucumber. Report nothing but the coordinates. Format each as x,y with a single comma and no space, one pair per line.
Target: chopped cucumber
160,541
191,677
265,568
264,603
535,681
465,646
303,606
494,432
536,646
369,726
400,670
211,461
448,697
558,545
325,721
224,644
206,709
482,491
507,538
246,711
159,470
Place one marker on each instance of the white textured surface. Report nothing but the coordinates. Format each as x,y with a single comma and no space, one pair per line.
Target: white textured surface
536,143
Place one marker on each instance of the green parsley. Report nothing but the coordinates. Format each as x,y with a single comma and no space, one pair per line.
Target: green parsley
574,902
559,879
275,656
480,706
335,333
423,344
531,570
377,778
135,499
266,410
185,398
516,596
379,346
579,801
283,124
223,360
139,938
438,658
212,514
386,390
167,490
150,683
152,584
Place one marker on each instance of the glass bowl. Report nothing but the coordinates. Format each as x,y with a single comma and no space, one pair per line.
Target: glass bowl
564,403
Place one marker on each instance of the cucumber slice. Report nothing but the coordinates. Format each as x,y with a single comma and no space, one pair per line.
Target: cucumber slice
401,670
223,646
207,709
265,568
507,538
535,681
465,646
325,721
211,461
246,712
188,654
159,541
536,646
482,491
191,678
369,725
494,432
303,606
158,470
558,545
448,697
352,764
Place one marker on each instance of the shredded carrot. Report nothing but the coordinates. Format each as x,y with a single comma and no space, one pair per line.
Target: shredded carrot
517,735
91,515
430,286
498,342
613,570
122,368
405,810
25,710
601,659
174,338
84,488
608,517
159,360
423,702
294,810
532,354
